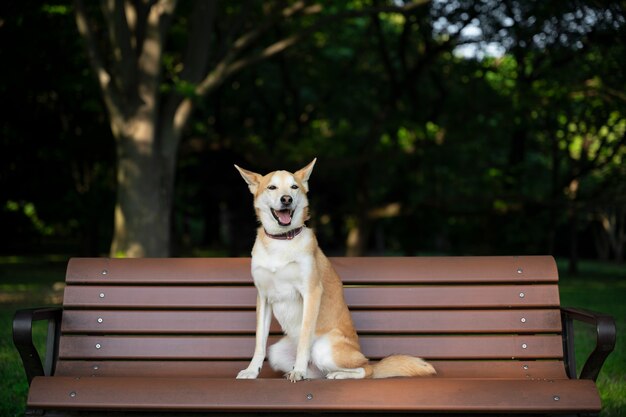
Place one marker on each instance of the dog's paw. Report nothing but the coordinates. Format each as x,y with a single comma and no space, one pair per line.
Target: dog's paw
337,375
356,373
248,374
295,376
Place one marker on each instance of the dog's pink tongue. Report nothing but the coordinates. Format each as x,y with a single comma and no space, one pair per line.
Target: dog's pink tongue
284,216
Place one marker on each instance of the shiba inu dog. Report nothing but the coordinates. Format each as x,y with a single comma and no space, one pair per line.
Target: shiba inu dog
296,282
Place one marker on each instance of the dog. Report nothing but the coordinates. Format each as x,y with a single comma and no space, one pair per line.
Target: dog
296,282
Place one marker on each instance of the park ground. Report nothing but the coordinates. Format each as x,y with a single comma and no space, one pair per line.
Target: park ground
30,282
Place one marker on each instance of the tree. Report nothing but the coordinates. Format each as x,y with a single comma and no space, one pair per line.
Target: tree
149,107
565,104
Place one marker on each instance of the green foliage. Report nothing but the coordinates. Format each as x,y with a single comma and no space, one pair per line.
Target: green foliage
424,146
56,9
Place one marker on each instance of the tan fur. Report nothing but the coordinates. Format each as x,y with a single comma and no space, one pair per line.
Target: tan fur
297,283
401,365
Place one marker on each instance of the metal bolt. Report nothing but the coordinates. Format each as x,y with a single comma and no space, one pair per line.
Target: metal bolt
556,398
309,396
524,345
104,272
520,270
522,295
523,320
100,320
73,394
101,295
98,345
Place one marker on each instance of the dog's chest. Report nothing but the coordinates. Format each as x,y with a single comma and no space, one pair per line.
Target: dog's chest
278,282
281,269
282,280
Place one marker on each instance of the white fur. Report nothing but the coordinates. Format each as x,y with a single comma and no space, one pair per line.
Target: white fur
281,278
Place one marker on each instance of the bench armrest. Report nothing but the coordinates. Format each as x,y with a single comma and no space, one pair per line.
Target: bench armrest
605,340
23,339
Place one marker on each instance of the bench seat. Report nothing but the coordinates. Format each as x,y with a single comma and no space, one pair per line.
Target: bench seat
277,394
170,335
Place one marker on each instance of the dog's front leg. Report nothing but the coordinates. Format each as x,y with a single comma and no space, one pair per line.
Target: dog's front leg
311,306
263,321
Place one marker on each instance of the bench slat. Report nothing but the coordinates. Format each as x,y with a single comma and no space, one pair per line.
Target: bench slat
199,394
181,297
510,369
352,270
241,347
244,322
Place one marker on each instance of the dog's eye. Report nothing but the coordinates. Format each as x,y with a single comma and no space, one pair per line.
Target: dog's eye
294,187
271,187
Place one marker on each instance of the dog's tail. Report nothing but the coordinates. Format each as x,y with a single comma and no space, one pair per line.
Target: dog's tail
399,365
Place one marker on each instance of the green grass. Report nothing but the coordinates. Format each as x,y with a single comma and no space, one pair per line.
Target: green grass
31,282
13,386
24,282
601,287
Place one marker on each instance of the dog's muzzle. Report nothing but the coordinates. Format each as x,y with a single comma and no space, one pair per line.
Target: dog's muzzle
283,217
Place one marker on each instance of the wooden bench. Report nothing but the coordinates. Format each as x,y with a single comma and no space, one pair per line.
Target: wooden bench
170,335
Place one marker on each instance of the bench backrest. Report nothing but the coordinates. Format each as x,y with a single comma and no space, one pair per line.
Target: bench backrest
471,316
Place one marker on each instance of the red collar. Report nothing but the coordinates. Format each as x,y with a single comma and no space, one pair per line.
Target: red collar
287,235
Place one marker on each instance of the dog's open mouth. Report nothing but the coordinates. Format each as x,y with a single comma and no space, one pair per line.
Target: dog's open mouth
283,217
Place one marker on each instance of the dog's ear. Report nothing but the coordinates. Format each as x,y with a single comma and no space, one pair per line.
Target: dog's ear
304,174
251,178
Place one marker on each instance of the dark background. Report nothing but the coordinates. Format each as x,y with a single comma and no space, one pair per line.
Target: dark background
505,137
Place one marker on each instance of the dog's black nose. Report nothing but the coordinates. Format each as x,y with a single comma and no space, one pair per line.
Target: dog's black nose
286,200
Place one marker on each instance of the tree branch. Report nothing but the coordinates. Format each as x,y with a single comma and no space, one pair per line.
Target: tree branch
149,61
177,109
383,50
111,96
234,26
231,64
97,64
586,168
120,37
249,38
137,15
198,51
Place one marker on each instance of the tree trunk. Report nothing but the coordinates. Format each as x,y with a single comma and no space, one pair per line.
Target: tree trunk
611,232
145,184
601,242
359,233
130,82
358,236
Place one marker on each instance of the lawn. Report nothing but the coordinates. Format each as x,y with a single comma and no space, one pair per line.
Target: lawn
29,282
601,287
